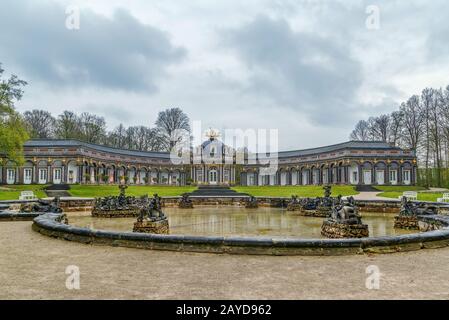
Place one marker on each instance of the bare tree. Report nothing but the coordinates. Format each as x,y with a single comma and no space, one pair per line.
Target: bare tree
396,127
413,122
40,124
169,123
379,127
361,131
68,126
93,128
116,138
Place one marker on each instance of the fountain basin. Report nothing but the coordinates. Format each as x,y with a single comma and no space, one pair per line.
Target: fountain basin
48,224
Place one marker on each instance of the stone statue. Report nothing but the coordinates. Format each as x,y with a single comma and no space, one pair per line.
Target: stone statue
185,202
144,209
123,188
151,219
409,208
310,204
55,206
344,221
116,206
42,206
294,199
345,213
294,203
156,206
327,191
251,203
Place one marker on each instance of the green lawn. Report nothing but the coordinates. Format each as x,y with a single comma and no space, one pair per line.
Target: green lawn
399,188
396,191
12,192
101,190
288,191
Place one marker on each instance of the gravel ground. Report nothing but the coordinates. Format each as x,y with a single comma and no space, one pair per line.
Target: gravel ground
33,266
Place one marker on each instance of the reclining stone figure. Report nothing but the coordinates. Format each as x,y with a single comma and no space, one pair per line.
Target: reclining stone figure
409,208
42,206
345,212
310,203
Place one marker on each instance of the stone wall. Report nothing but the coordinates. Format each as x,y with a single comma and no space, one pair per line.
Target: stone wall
48,224
17,216
335,230
387,206
129,213
406,222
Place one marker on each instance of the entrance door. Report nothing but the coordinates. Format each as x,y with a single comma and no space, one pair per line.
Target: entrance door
10,176
42,176
393,177
213,176
27,175
367,176
406,177
57,176
380,177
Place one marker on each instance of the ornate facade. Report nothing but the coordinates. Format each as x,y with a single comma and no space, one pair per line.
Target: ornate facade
71,162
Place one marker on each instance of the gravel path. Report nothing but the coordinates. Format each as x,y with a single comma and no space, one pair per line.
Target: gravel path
33,266
371,196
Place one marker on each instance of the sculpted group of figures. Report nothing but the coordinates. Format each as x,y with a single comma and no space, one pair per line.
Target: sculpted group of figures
114,203
185,202
151,209
317,207
42,206
151,219
410,212
409,208
342,218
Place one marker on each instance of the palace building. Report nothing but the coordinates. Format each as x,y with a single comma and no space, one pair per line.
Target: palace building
50,161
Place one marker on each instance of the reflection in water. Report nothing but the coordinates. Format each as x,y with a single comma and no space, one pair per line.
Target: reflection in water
237,221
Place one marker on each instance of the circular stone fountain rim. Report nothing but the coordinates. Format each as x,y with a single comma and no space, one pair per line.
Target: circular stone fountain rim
49,224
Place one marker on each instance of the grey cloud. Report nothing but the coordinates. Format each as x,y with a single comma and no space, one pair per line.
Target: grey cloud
313,74
116,53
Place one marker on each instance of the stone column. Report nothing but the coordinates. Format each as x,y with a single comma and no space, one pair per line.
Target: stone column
4,176
387,175
36,173
20,175
414,175
243,180
64,173
81,173
359,168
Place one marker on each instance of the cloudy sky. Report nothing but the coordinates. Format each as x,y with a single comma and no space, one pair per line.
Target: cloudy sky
308,68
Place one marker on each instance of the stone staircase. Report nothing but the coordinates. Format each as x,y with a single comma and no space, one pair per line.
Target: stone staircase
58,190
216,191
366,188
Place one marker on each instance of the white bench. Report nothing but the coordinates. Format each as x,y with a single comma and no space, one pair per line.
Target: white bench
27,195
410,195
444,199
